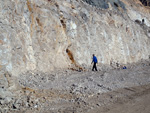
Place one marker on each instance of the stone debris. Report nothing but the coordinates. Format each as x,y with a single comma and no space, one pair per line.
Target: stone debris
71,91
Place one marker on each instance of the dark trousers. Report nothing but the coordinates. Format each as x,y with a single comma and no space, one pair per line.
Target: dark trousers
94,67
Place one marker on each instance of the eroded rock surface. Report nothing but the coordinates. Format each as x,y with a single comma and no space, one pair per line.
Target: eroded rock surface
46,48
36,35
105,3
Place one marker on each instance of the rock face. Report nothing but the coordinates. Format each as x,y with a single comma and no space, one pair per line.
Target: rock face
45,35
145,2
105,3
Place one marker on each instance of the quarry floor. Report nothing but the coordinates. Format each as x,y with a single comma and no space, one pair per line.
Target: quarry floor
138,102
105,91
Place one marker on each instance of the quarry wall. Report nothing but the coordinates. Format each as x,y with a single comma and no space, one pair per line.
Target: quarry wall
45,35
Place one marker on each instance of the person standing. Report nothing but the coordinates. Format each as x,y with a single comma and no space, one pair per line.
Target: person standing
95,62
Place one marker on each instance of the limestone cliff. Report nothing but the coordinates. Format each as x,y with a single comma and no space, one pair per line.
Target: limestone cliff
45,35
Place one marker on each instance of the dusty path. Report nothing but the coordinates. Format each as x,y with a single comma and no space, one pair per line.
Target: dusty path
125,100
137,102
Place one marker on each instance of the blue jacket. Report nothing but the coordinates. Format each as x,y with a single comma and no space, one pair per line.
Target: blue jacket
94,59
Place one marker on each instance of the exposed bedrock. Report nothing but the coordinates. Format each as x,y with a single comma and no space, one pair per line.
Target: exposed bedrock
45,35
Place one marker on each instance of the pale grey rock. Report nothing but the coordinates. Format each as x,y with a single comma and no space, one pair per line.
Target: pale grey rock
41,41
5,100
8,99
36,34
4,93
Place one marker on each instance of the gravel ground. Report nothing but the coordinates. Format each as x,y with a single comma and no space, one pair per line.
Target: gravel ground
105,91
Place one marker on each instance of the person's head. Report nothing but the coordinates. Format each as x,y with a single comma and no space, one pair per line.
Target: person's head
93,55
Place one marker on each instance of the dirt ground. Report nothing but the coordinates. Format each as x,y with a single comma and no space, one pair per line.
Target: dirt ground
138,102
67,91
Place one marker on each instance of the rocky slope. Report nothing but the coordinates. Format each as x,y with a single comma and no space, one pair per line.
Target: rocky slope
43,41
46,34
